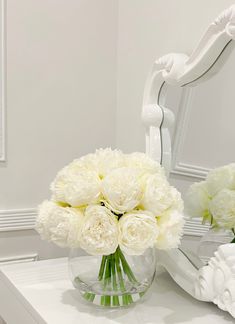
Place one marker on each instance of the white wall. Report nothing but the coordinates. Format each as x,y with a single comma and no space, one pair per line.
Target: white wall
61,76
61,98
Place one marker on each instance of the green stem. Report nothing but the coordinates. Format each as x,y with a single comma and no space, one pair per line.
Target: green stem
111,276
101,272
126,267
233,240
120,277
128,270
102,277
89,296
114,280
107,280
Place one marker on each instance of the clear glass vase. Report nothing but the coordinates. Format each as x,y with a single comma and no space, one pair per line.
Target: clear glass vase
210,242
114,280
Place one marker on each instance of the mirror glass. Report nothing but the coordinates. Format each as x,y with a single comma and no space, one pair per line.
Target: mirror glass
204,134
205,117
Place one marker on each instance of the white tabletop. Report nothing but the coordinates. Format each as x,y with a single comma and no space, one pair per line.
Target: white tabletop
41,292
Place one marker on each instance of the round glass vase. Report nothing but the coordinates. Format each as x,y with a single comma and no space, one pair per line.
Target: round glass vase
114,280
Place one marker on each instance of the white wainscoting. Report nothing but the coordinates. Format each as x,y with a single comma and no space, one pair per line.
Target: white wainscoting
22,258
17,219
194,227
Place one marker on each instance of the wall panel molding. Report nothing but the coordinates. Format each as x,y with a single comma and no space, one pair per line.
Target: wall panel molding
2,81
194,227
178,166
19,259
17,219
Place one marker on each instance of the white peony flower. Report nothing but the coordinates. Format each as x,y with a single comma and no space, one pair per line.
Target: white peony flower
102,161
170,227
143,162
221,178
107,160
83,189
58,185
159,195
122,190
59,224
197,200
177,202
77,187
123,183
99,231
222,208
138,231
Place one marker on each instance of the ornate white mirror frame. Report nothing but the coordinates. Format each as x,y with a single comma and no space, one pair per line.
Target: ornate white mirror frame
214,282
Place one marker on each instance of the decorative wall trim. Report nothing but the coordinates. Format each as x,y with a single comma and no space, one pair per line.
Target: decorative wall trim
19,259
190,170
194,227
2,82
17,219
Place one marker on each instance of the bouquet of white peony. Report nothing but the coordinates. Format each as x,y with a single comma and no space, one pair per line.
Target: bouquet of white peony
214,199
110,204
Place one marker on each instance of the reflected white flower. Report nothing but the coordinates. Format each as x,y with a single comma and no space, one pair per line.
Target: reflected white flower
59,224
138,231
222,208
221,178
122,190
99,231
197,200
170,226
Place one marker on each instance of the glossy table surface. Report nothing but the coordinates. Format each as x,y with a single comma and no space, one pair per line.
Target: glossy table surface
41,292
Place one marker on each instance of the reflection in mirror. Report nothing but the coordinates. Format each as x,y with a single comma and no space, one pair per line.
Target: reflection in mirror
205,117
205,133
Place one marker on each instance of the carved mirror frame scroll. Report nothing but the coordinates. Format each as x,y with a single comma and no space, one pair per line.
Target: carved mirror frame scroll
185,71
180,70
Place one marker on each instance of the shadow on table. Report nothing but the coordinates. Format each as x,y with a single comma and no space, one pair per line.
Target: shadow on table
165,303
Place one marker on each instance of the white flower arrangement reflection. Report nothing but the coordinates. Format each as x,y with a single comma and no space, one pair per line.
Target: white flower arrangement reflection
214,199
110,203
